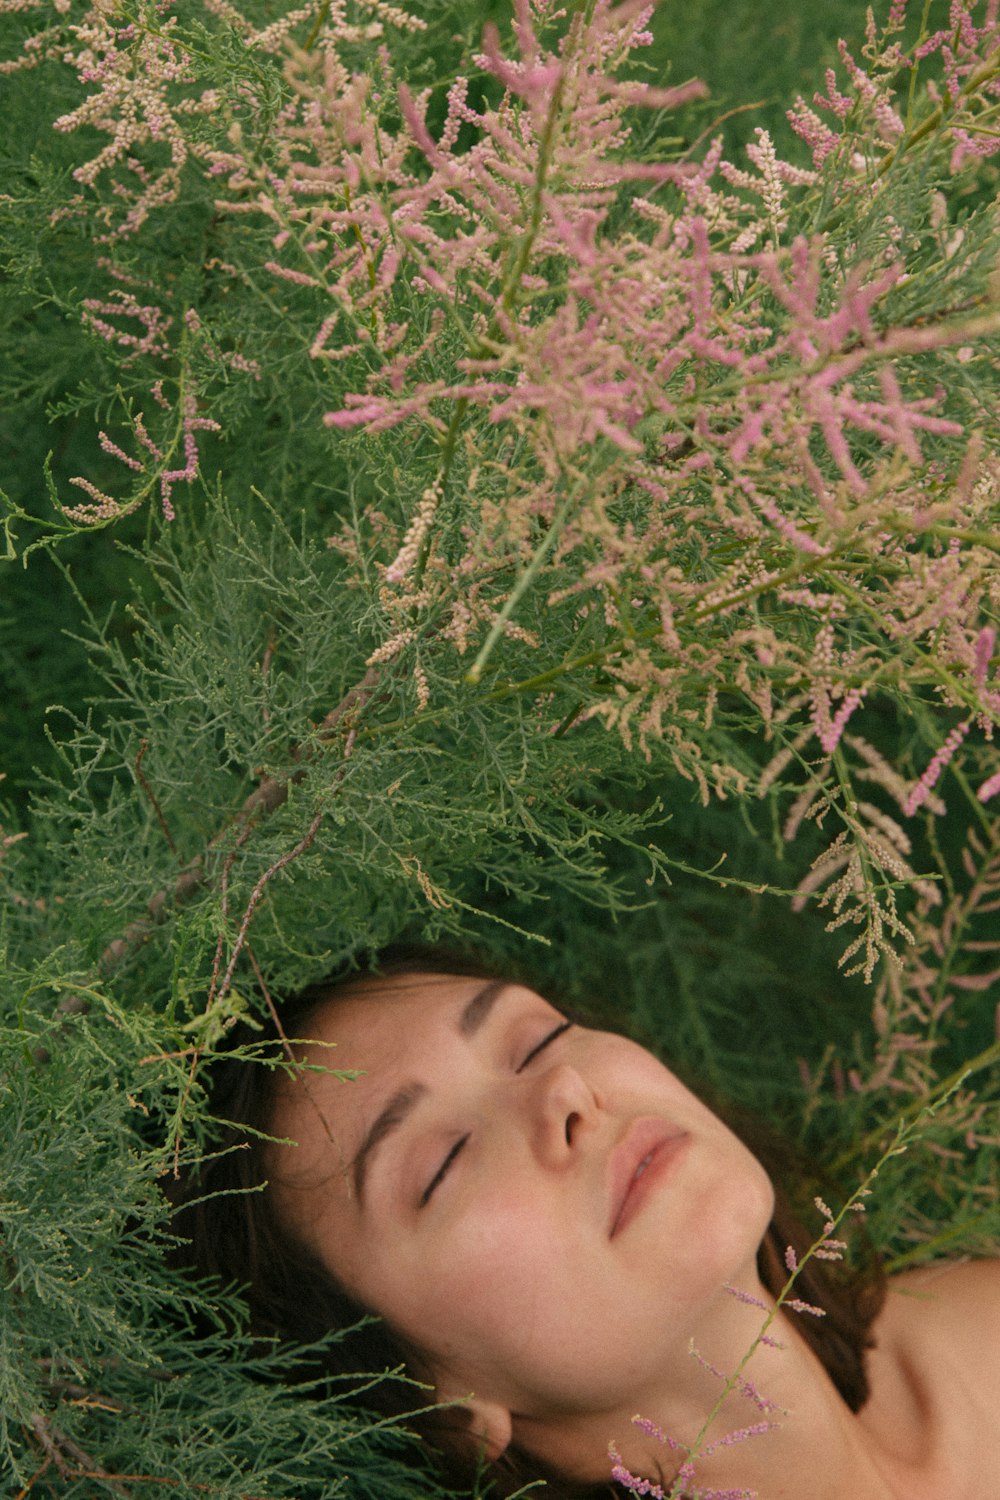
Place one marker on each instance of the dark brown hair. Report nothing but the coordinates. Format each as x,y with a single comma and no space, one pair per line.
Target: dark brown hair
233,1230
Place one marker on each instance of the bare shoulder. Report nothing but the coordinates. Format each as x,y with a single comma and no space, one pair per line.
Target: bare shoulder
948,1311
951,1285
935,1377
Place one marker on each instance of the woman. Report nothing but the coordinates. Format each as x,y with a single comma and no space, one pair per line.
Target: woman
559,1235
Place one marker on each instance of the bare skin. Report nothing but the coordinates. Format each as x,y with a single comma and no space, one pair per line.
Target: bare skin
479,1187
935,1375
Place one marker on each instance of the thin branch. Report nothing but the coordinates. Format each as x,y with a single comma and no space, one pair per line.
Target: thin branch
272,1008
26,1489
265,799
265,668
56,1445
220,941
305,1081
194,1484
89,1467
78,1395
259,889
40,1427
158,810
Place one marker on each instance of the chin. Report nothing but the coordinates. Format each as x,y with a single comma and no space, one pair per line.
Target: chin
731,1227
755,1202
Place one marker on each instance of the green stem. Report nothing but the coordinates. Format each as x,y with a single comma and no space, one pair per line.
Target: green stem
519,262
317,26
541,552
953,946
66,526
448,446
939,1241
915,70
984,74
902,1140
911,1111
693,615
987,539
511,281
937,671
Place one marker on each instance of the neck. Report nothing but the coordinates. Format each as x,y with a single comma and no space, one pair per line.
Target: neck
780,1419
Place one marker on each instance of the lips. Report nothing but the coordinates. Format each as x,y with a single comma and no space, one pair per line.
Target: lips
639,1164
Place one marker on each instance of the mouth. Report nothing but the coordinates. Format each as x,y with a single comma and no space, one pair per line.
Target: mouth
639,1165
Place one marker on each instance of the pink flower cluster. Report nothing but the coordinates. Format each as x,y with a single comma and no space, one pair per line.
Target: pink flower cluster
764,430
187,421
738,468
964,48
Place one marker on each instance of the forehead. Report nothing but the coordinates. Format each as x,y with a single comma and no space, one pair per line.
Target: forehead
366,1021
381,1029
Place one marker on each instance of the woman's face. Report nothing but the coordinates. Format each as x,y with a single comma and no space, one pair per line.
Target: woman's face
543,1209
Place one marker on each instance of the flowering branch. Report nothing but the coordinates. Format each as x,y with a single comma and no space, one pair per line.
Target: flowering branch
826,1246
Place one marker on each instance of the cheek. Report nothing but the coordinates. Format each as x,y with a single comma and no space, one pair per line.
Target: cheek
497,1279
521,1318
728,1210
505,1250
626,1070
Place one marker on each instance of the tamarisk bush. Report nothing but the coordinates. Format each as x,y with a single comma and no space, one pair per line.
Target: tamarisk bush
521,506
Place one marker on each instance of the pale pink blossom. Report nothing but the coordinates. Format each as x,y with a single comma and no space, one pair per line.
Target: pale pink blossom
929,779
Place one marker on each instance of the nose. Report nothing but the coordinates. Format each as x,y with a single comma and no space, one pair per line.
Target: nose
561,1110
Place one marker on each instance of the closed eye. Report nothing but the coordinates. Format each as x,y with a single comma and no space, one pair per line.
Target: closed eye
446,1165
545,1042
442,1171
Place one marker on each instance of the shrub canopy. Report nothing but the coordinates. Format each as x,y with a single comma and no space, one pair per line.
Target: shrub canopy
456,488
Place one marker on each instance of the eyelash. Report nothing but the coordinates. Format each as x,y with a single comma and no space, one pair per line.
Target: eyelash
555,1032
442,1170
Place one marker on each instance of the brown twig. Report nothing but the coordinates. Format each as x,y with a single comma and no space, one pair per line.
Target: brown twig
194,1484
158,810
136,933
272,1008
26,1489
89,1467
40,1427
304,1081
50,1439
220,941
56,1445
265,799
265,667
356,698
169,1056
344,712
78,1395
255,895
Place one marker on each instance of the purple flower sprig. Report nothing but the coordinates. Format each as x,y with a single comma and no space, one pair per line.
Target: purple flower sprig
162,465
826,1246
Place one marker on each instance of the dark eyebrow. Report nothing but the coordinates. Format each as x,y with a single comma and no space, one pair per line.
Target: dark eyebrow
389,1119
478,1008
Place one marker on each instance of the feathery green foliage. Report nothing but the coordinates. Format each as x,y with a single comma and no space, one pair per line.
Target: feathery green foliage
595,568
